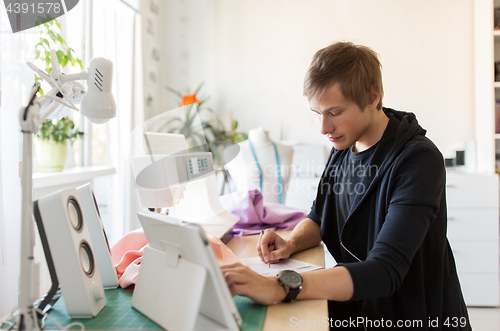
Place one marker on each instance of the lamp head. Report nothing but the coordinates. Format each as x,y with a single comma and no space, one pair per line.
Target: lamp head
98,103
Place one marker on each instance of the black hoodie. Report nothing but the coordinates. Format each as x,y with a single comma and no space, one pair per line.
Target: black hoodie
394,240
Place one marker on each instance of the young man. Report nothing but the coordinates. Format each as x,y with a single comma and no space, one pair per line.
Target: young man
380,209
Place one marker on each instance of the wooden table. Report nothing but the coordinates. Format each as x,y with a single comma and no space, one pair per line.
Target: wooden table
287,316
279,316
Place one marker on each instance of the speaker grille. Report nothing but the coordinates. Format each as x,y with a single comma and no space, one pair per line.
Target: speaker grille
75,214
87,259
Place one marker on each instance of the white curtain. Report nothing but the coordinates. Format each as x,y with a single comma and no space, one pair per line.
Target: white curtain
16,80
115,38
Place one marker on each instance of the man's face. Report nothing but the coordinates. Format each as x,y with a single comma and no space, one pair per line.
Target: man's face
342,121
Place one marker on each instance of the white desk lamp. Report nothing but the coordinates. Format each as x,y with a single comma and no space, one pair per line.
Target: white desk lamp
98,105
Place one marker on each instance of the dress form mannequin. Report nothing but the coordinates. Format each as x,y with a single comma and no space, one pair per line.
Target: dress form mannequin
245,171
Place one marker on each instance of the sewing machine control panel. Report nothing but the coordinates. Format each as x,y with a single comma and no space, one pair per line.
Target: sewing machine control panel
198,164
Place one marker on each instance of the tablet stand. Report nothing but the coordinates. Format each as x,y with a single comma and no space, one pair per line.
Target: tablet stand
169,289
180,286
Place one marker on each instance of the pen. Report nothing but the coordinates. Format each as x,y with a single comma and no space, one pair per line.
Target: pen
268,263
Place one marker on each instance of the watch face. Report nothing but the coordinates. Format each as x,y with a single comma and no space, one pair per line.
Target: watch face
290,278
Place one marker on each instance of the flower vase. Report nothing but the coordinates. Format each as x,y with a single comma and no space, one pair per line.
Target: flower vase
51,155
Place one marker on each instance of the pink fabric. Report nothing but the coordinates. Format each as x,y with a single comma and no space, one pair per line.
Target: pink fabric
127,255
255,215
222,253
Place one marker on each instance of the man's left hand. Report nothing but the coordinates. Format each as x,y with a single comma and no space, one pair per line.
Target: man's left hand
241,280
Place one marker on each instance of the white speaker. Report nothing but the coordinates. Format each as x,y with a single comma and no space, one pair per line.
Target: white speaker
70,248
102,251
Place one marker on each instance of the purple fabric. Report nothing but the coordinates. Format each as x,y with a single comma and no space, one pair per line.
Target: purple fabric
256,216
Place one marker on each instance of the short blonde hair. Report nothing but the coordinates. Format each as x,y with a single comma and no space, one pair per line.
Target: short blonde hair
355,67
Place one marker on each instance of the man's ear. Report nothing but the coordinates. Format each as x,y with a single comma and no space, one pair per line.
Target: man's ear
374,98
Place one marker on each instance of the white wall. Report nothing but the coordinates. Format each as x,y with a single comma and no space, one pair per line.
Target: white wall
263,49
187,48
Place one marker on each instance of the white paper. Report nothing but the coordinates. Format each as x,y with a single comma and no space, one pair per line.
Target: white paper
256,264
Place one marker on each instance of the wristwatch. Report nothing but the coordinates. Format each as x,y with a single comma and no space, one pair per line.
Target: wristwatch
292,282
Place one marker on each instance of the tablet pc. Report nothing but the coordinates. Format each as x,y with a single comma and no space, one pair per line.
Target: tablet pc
174,244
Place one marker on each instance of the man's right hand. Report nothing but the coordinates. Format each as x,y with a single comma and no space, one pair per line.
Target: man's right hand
272,248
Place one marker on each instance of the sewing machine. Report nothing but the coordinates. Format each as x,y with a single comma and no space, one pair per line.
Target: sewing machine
180,184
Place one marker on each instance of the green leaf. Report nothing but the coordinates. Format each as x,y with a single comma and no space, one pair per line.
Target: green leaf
240,136
64,61
199,88
59,131
200,137
61,39
60,56
70,57
200,104
205,99
45,48
174,91
167,127
191,113
57,23
80,63
52,35
45,40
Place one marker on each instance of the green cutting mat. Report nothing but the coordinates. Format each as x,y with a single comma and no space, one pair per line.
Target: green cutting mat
119,315
252,314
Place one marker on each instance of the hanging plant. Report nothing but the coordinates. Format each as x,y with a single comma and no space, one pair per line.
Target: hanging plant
50,38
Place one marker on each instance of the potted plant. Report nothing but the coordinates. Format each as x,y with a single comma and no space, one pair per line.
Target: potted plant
215,134
186,123
51,143
222,138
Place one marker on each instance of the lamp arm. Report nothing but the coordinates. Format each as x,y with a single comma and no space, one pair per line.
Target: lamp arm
40,72
43,100
47,110
47,107
84,75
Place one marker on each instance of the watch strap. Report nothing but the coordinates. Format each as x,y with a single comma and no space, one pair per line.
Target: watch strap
292,294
